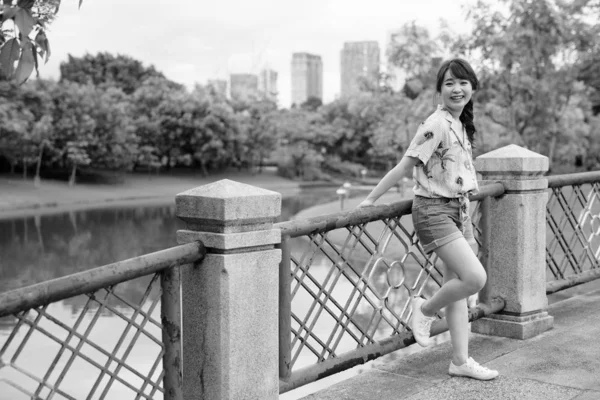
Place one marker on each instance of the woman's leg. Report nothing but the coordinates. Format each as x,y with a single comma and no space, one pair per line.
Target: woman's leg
469,276
463,277
458,320
458,324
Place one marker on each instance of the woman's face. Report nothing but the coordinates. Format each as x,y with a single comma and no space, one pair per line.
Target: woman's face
455,93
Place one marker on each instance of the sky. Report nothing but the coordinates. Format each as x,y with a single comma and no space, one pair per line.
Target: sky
192,41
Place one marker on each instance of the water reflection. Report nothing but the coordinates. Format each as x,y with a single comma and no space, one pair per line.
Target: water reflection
38,248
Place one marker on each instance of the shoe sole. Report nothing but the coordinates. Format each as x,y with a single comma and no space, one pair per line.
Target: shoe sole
472,377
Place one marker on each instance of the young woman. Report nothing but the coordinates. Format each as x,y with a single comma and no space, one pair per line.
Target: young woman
440,160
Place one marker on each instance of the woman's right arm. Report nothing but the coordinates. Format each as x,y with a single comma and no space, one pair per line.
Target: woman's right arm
402,169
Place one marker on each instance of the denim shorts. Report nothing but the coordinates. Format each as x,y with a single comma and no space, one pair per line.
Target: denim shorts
437,222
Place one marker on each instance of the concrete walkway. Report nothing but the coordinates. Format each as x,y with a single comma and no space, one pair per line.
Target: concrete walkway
563,363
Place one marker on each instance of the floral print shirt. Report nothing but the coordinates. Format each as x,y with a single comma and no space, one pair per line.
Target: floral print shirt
445,167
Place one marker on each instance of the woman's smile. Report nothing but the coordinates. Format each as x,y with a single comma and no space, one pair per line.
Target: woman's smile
455,93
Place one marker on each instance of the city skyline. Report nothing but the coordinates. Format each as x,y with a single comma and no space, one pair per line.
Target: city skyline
200,41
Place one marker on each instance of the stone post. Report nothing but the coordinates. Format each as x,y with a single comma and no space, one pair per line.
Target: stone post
514,236
230,298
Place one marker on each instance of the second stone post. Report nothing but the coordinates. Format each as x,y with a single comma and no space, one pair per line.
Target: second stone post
230,298
514,239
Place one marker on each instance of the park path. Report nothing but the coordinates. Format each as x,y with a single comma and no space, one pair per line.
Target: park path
561,364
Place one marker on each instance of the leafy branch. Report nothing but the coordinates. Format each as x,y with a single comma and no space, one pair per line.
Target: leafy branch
23,36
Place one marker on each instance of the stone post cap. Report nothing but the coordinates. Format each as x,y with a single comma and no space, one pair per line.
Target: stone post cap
512,160
227,206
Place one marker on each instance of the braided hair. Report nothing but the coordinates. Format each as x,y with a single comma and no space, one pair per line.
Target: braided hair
461,69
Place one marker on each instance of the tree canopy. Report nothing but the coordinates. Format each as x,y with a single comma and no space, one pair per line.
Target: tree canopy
537,60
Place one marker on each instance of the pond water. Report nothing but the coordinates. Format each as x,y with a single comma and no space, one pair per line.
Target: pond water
38,248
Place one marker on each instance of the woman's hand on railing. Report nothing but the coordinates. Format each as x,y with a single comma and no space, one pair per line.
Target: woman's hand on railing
365,203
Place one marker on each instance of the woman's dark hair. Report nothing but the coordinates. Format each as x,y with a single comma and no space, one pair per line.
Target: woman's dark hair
461,69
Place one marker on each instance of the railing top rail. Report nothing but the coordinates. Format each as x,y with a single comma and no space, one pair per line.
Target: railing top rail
489,190
94,279
329,222
579,178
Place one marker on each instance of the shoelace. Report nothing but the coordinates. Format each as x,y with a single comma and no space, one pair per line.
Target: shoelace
426,323
476,366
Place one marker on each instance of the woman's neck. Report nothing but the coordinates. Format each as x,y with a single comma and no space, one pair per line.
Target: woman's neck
456,115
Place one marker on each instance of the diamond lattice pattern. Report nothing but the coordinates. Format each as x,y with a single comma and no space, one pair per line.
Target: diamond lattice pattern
351,286
573,234
105,345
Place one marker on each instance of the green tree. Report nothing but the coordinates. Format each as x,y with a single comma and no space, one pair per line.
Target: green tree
302,141
531,53
36,97
27,124
400,118
147,109
92,126
105,69
217,139
312,104
415,52
258,132
16,121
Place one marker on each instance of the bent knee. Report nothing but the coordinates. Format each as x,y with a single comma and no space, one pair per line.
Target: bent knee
476,281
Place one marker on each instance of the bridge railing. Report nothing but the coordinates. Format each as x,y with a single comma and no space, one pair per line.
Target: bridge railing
246,308
345,285
573,230
81,365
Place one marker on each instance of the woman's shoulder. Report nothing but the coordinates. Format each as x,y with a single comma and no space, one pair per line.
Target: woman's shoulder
437,122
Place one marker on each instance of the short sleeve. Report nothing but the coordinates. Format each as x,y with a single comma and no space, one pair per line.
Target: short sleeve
427,139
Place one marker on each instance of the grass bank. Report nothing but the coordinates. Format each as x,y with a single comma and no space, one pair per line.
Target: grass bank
20,197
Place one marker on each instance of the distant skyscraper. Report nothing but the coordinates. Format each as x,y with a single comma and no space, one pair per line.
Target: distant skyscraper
358,59
243,86
267,84
219,86
307,77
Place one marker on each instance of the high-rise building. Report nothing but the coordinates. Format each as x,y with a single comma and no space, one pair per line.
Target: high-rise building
359,60
267,84
243,86
307,77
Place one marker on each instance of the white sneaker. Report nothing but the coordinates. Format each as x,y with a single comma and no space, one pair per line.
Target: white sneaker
420,325
472,301
472,369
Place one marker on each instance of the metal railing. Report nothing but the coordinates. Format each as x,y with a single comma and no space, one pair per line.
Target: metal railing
345,284
345,287
573,230
72,357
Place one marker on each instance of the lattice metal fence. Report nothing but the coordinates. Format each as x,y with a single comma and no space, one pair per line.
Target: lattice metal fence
351,286
104,345
112,332
573,234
